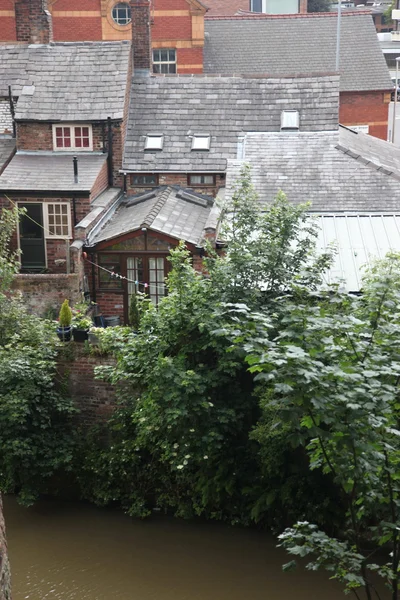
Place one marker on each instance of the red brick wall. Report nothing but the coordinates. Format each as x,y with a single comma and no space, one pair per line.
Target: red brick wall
34,136
172,28
44,292
94,398
111,304
179,179
101,182
189,56
55,248
8,31
365,108
71,29
39,136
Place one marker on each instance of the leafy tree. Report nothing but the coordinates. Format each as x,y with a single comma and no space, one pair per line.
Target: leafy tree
319,6
9,263
332,370
35,427
180,438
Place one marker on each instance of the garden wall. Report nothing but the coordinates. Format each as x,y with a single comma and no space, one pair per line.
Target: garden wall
44,294
95,399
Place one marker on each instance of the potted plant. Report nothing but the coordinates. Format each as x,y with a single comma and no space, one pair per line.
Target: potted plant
80,326
64,322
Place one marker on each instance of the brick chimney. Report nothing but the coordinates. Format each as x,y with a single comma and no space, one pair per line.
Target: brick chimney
141,35
33,22
303,6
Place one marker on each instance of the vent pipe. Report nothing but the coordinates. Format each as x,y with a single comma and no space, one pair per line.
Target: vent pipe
75,161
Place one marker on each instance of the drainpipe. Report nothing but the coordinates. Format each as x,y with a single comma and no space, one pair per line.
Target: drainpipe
12,111
93,278
110,153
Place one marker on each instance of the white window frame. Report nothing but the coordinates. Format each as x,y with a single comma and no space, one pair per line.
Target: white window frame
128,10
201,142
73,147
265,7
165,62
154,142
290,120
204,175
47,225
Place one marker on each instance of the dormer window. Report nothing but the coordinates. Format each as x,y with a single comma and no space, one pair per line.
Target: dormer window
201,141
154,142
72,137
290,120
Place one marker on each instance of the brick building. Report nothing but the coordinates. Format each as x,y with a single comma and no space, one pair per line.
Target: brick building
70,127
279,45
177,26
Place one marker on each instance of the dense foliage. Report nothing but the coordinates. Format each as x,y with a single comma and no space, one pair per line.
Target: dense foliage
332,371
181,437
35,428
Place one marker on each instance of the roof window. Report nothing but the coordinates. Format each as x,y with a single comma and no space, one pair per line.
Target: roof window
201,141
154,141
290,120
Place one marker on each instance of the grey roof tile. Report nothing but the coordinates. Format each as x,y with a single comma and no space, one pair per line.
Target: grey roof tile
335,171
166,105
170,210
80,81
46,171
7,148
297,44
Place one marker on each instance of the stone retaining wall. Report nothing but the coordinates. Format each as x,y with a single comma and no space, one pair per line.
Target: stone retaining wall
5,585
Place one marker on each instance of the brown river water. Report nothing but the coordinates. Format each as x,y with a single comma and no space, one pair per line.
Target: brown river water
74,551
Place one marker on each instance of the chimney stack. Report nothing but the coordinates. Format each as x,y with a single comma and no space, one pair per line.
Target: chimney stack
141,36
303,6
33,22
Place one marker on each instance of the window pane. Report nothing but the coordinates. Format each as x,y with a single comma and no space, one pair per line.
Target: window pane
164,55
172,68
106,279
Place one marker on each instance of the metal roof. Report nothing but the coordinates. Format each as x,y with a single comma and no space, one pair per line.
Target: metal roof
359,240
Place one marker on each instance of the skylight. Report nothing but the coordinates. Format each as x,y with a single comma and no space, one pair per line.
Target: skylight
290,119
154,141
201,141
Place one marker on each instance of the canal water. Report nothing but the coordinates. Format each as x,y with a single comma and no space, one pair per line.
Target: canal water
74,551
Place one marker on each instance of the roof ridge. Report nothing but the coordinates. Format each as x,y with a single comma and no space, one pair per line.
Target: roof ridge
163,197
365,161
255,16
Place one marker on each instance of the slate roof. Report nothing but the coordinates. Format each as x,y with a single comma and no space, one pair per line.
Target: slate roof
7,147
225,107
267,44
47,172
335,171
79,81
171,210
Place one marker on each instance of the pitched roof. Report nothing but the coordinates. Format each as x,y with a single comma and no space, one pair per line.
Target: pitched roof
335,171
79,81
270,44
47,171
173,211
226,7
7,148
226,107
359,240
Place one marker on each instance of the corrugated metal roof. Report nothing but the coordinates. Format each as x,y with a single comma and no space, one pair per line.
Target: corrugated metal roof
359,239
